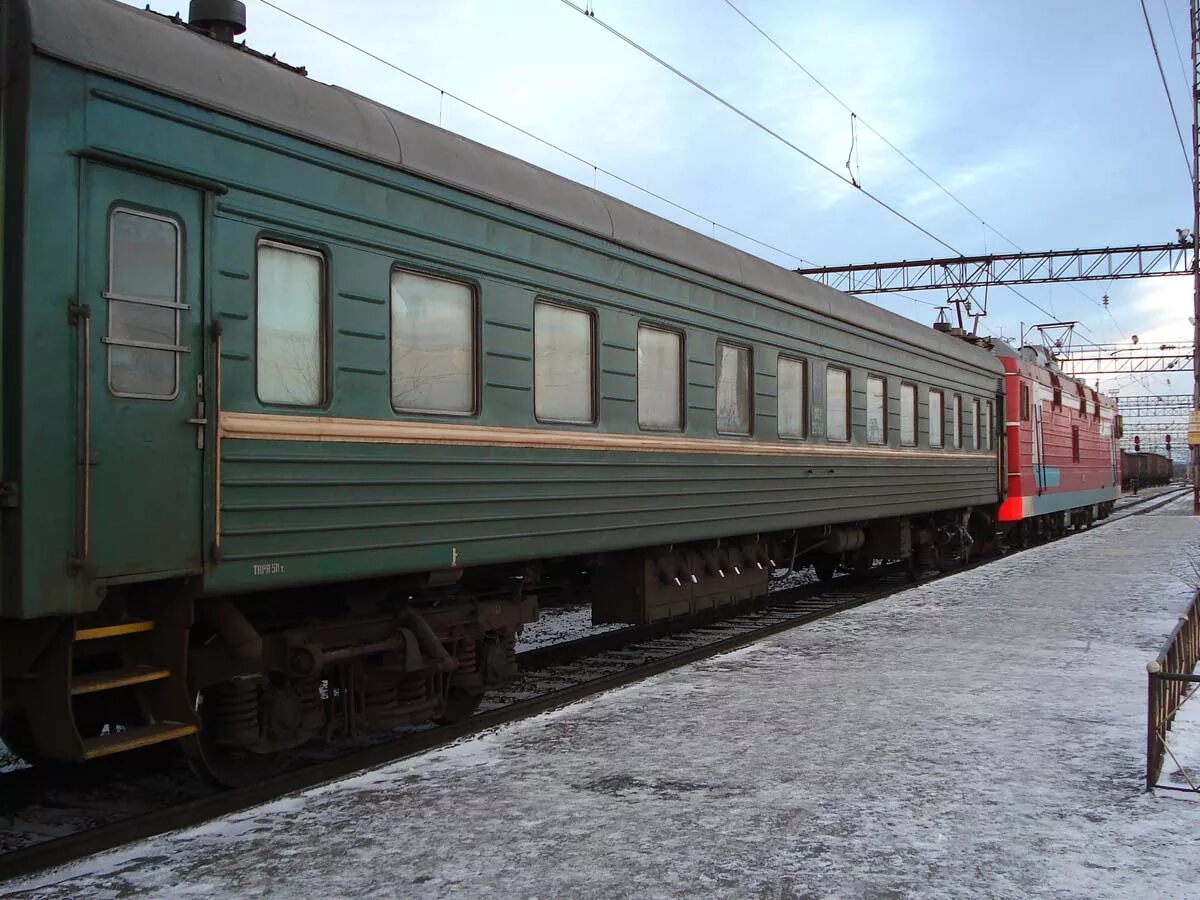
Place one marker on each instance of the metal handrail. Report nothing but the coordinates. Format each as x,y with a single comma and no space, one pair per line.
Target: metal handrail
1169,679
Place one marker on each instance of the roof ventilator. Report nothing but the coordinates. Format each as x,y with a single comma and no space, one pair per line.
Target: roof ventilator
223,20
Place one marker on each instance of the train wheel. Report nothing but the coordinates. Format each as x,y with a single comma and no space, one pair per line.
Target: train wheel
222,765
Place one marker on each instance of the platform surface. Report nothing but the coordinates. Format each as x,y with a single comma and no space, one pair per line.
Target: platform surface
982,736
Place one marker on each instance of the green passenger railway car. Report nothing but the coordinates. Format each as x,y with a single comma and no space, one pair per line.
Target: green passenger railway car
305,401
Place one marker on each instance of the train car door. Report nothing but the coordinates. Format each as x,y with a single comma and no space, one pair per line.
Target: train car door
143,422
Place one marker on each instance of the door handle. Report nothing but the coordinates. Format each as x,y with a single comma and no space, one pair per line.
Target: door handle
200,420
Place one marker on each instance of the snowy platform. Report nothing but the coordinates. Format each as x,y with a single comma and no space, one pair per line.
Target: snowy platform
982,736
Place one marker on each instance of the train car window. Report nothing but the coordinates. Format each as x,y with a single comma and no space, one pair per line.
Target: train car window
908,414
956,424
837,404
733,389
563,367
793,398
975,424
143,305
659,379
876,410
936,402
1024,403
291,336
1075,444
433,344
989,424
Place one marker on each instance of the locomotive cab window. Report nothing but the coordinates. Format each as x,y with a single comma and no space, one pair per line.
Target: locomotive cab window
659,379
733,389
291,333
936,401
433,344
876,410
143,305
957,423
908,415
837,404
563,367
793,398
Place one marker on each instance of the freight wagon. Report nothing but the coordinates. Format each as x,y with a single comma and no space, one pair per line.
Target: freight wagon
1140,470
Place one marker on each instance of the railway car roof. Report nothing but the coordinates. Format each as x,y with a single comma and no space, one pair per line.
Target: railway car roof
150,50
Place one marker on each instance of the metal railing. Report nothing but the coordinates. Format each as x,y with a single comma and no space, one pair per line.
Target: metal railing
1172,681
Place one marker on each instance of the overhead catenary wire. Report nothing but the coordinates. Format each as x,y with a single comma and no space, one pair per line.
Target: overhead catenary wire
529,134
1175,43
1166,90
761,126
867,125
855,117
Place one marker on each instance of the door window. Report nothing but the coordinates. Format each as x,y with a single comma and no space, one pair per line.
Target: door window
143,305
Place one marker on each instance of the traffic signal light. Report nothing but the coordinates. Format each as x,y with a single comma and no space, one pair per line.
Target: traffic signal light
1137,444
1168,439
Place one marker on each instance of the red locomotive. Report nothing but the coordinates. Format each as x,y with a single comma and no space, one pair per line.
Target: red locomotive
1063,467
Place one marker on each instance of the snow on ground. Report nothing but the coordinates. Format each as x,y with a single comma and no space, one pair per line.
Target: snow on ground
556,624
1129,498
980,736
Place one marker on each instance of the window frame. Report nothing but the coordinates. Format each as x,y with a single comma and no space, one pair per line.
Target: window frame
593,349
941,420
682,426
110,296
473,287
916,417
884,393
976,413
845,370
991,425
805,433
284,243
957,422
721,342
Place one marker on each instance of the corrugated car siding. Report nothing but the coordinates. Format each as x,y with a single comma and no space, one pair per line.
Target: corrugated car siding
330,510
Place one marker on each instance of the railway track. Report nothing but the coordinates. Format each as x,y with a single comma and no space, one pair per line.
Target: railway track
49,819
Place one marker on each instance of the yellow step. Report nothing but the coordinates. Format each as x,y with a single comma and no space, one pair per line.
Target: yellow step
137,626
116,678
134,738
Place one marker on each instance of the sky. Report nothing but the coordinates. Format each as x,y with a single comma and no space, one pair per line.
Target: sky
1045,117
